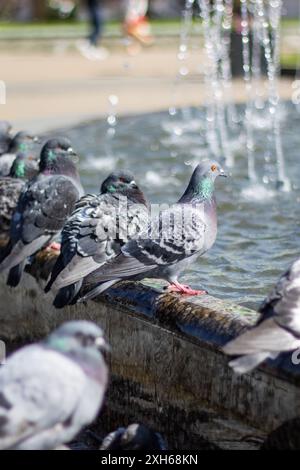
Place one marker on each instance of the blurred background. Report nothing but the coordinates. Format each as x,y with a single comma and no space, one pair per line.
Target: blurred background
52,79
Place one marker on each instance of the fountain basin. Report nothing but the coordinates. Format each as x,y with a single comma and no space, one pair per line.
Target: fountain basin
258,230
167,367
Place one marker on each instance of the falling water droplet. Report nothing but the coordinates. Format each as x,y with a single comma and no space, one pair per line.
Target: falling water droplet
177,131
113,99
112,120
181,55
111,132
172,111
266,179
183,71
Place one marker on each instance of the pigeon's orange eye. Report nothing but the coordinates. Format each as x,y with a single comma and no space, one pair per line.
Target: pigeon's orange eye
213,167
123,180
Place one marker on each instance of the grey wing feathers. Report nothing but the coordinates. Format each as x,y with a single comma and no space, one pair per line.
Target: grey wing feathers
278,329
268,336
10,190
5,163
45,206
92,237
33,402
169,238
283,303
120,267
244,364
42,209
287,308
176,234
87,241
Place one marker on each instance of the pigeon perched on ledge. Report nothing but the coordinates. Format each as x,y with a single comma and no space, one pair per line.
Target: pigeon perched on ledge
171,242
134,437
43,207
94,233
278,329
49,391
11,187
24,143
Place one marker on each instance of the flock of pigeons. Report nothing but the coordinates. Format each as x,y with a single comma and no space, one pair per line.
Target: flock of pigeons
42,204
50,207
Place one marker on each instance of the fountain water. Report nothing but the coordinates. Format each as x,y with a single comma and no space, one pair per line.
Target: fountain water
232,115
269,23
183,115
104,156
216,132
112,120
245,31
260,33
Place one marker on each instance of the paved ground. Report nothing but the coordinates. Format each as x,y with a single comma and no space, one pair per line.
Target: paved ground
49,84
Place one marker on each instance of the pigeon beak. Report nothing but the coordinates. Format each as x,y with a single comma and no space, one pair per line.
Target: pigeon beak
222,173
36,140
101,344
71,151
133,184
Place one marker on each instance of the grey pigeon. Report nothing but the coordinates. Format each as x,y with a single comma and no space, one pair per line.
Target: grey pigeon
134,437
10,189
50,390
278,329
94,233
5,137
172,240
24,143
43,207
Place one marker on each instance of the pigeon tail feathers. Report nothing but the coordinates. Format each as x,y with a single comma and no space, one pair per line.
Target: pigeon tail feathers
244,364
98,290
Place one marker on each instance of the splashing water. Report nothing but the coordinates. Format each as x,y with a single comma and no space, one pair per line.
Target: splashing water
260,34
245,31
112,121
257,192
183,114
270,32
212,28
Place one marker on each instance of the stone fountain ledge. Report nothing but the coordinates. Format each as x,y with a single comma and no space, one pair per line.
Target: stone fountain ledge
167,367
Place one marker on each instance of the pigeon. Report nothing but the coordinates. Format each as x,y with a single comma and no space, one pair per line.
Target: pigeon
172,240
93,233
134,437
24,143
11,186
50,390
43,207
5,137
278,328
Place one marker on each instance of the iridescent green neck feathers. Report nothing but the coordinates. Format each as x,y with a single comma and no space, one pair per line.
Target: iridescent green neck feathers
205,188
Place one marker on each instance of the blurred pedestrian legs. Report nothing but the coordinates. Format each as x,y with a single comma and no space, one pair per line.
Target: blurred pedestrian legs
89,48
136,23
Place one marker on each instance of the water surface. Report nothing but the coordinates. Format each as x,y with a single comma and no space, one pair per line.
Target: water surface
258,234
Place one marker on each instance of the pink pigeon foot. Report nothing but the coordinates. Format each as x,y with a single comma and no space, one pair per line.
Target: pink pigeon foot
54,246
185,290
